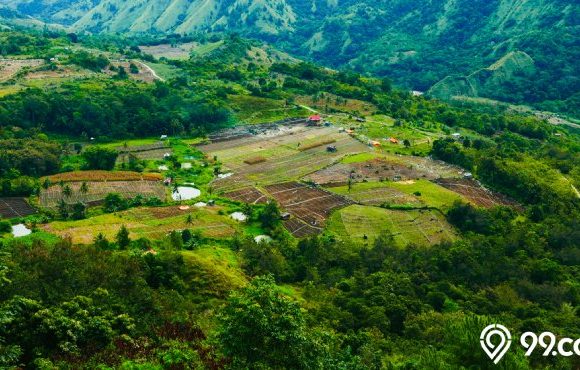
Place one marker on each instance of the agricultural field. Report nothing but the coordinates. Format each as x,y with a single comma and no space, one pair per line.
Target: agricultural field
420,227
476,193
313,206
15,207
284,161
103,176
381,169
376,194
96,192
249,195
413,193
10,68
153,223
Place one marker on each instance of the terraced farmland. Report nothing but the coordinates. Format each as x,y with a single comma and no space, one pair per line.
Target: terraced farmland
284,161
420,227
313,206
248,195
97,191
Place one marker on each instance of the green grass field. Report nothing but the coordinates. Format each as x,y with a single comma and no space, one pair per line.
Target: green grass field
419,227
154,223
432,195
400,193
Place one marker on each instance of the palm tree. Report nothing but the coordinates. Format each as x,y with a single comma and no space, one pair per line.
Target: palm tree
84,189
67,191
189,220
46,183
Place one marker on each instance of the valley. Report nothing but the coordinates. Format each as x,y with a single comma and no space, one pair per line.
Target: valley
214,202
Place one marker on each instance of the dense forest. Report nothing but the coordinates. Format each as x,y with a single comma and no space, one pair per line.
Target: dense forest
313,303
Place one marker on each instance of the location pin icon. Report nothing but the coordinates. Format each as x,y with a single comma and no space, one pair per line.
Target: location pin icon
498,350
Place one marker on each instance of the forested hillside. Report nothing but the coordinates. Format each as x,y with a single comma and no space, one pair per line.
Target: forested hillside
415,43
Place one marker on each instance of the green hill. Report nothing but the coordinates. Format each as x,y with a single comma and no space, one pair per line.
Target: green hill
415,43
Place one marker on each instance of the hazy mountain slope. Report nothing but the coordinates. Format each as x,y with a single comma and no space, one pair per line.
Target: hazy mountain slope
416,43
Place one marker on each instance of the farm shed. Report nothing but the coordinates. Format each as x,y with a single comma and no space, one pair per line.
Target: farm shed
315,120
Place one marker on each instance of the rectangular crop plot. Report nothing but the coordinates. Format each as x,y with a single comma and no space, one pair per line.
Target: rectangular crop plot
376,194
15,207
97,191
476,193
311,205
248,195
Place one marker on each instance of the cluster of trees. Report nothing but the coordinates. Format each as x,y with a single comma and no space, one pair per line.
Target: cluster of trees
108,109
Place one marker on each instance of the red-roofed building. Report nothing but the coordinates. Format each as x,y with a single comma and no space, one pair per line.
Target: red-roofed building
315,120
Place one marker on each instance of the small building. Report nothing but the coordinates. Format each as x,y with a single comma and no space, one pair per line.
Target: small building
394,140
167,181
468,175
350,132
211,202
315,120
331,149
285,216
163,137
456,135
375,143
360,119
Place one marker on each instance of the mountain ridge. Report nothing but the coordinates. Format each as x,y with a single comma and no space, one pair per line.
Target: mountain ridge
416,44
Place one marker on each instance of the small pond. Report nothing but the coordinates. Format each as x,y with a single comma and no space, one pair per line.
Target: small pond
185,193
